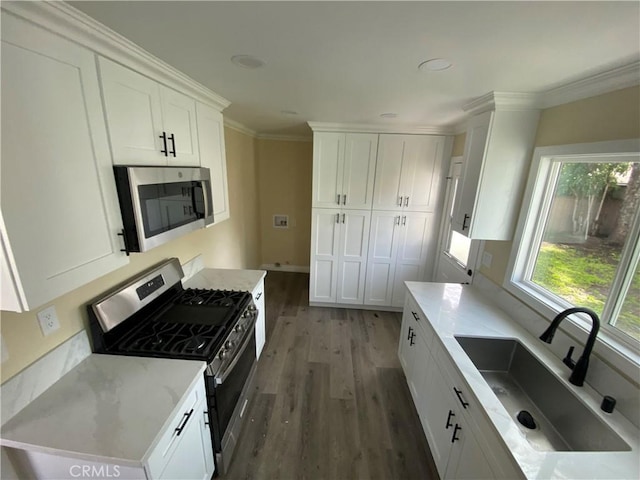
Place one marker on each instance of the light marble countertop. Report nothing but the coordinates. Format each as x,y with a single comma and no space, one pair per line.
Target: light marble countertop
454,309
109,407
226,279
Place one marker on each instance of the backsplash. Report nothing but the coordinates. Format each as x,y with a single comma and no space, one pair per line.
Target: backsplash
40,375
601,376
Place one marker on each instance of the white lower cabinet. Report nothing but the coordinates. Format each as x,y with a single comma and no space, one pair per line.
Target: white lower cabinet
60,215
261,333
402,246
339,245
449,415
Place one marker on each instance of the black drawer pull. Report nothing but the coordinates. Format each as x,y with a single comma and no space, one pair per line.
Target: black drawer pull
464,222
415,316
411,342
410,330
449,424
186,418
206,418
258,296
460,397
173,142
455,432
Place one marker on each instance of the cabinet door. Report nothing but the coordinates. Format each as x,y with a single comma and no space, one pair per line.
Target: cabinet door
416,247
213,156
179,121
325,238
467,460
192,457
404,346
359,170
328,159
465,198
59,203
386,191
422,172
134,115
258,299
381,259
354,241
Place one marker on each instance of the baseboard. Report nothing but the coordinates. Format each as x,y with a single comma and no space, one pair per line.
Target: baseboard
284,268
378,308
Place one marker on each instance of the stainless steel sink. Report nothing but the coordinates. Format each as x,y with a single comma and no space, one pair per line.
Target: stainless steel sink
560,421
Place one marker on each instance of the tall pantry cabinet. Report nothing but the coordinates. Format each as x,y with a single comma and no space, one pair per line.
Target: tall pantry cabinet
375,213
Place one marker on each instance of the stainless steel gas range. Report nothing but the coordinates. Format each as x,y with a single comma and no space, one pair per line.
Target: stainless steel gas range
153,315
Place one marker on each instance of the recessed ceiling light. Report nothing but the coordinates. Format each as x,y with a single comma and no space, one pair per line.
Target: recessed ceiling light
389,115
288,112
247,61
435,65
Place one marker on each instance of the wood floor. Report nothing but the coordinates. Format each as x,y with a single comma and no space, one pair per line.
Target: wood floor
331,400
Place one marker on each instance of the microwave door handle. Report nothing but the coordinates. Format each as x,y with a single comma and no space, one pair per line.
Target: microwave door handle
225,373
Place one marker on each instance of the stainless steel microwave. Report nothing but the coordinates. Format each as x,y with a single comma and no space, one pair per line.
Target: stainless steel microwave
159,204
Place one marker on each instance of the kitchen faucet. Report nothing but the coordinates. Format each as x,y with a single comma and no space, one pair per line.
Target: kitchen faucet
580,367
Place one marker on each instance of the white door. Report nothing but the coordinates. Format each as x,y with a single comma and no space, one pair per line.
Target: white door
59,202
213,156
381,259
416,252
179,121
354,241
457,255
422,172
325,239
134,115
359,170
328,159
386,192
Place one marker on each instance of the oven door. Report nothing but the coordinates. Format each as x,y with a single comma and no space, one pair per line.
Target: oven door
162,203
227,387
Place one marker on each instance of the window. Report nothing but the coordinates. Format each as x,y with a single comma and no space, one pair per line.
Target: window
578,235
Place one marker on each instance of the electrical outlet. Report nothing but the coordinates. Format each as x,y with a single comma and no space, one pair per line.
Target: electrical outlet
48,319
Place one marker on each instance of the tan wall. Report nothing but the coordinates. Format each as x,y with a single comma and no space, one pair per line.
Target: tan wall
612,116
458,145
285,171
231,244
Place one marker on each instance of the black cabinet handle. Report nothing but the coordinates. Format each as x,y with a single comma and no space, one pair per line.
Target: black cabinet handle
124,240
464,222
449,424
172,137
455,432
206,418
460,397
258,296
164,142
415,316
409,336
183,424
411,342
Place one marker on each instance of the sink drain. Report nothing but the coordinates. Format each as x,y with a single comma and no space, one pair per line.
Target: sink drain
526,419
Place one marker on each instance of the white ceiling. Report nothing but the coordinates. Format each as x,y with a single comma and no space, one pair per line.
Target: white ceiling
349,62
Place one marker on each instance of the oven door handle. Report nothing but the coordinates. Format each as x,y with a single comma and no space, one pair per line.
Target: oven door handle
225,373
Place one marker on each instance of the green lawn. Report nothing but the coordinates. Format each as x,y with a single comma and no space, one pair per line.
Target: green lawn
583,275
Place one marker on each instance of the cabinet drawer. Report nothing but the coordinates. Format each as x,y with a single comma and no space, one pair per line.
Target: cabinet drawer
192,407
418,320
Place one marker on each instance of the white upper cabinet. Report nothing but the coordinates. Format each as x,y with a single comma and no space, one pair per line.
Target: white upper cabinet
408,172
149,124
213,157
59,204
343,170
497,155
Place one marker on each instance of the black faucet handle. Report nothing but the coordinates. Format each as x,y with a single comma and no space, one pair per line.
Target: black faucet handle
568,361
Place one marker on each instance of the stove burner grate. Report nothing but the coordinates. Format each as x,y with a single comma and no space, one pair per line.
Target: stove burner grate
222,298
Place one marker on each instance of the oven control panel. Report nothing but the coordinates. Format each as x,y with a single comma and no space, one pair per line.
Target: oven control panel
149,287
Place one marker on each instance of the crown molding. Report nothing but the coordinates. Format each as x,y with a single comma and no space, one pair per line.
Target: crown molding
502,101
609,81
74,25
374,128
239,127
284,138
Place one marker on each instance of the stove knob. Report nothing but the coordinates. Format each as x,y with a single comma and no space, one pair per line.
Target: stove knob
228,345
245,314
239,329
251,308
222,354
